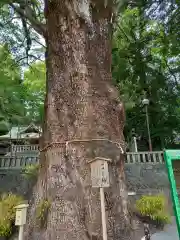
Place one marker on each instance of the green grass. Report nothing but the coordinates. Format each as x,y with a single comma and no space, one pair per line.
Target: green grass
31,171
154,207
7,213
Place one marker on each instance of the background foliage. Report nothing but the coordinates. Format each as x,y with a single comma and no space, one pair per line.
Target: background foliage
154,208
21,92
8,212
145,63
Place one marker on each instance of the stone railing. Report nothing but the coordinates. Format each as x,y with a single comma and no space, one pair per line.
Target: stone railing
131,158
17,162
24,148
144,157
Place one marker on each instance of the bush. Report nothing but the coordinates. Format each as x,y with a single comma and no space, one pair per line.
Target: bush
8,213
154,208
4,127
31,171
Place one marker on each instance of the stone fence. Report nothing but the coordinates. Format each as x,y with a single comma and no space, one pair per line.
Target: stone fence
24,148
18,161
144,157
145,173
147,178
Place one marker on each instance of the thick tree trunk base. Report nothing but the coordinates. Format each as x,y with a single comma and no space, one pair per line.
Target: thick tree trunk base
75,212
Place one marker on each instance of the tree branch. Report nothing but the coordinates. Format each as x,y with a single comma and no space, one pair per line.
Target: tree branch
8,22
171,72
28,14
33,39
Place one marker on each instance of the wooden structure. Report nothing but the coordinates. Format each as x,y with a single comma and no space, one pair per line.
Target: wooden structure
100,179
4,148
99,172
21,140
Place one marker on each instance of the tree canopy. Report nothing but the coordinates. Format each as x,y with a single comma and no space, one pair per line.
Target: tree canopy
34,82
82,107
145,64
21,91
22,71
11,92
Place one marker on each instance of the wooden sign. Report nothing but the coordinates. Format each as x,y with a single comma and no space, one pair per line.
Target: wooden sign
21,212
100,172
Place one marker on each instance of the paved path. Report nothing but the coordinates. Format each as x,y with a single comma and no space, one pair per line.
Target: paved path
169,233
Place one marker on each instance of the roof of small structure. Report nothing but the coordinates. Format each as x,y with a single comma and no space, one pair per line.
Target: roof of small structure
31,129
23,132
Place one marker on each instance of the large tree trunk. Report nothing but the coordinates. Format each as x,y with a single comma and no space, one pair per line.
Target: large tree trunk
83,120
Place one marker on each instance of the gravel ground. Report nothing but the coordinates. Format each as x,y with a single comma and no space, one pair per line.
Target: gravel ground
169,233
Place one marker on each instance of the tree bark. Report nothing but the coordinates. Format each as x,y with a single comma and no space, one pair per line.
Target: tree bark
83,120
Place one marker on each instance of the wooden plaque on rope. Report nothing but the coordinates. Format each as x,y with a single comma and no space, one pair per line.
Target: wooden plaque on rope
100,172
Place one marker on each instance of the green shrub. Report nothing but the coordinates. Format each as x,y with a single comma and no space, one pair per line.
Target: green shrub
7,213
4,127
153,207
31,171
42,211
